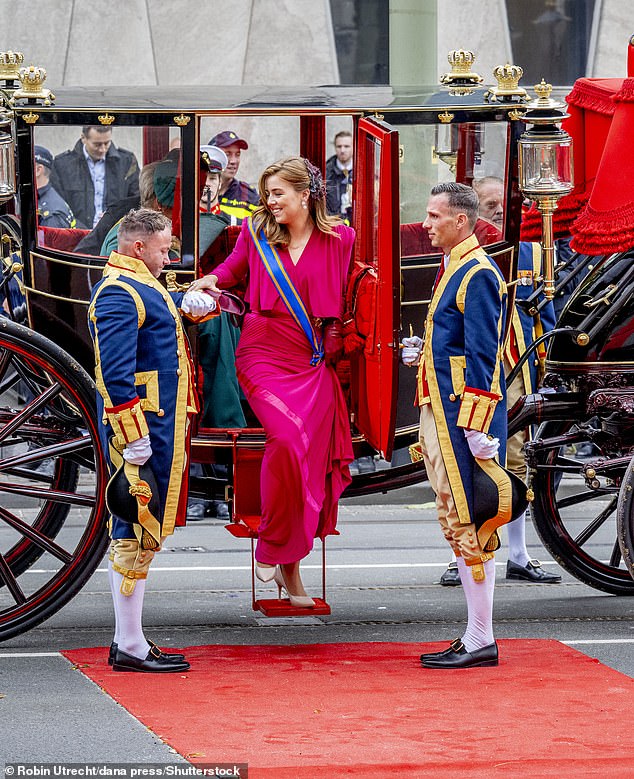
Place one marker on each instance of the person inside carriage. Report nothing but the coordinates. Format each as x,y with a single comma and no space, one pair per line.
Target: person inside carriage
52,209
236,198
95,174
297,259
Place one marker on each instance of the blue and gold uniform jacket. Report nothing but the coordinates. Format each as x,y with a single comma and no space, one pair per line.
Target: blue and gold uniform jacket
144,377
524,327
461,373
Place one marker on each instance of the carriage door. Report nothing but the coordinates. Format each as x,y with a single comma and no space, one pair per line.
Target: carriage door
376,276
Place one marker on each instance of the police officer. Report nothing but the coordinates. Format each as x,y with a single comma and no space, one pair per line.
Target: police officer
52,209
237,198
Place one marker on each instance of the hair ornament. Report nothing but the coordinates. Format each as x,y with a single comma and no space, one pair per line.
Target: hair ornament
316,185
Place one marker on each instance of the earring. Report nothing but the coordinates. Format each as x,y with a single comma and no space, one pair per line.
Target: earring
304,204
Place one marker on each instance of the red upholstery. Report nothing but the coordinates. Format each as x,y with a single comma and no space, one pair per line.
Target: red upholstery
63,238
415,239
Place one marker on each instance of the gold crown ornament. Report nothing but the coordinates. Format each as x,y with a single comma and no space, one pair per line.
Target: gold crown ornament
543,91
10,63
508,78
32,89
462,78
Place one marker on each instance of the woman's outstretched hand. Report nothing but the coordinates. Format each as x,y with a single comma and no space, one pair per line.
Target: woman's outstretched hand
207,283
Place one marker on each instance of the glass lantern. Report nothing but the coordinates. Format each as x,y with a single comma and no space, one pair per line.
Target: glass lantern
446,141
7,167
545,162
545,169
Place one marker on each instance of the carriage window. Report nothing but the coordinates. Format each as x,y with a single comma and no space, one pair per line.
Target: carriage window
88,177
471,153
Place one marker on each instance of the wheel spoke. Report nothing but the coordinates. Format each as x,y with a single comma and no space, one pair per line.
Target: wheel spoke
5,361
596,523
582,497
12,583
616,557
41,493
45,452
36,537
29,410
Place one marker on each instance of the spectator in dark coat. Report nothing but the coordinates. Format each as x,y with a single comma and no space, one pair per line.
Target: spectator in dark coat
339,178
94,175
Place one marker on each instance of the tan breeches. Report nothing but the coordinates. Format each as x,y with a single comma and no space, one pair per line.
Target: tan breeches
461,537
130,561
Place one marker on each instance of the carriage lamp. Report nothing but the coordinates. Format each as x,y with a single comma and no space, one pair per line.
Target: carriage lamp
545,168
452,141
446,141
7,164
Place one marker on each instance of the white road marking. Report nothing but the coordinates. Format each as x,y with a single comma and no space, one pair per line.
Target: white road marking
29,654
599,641
329,566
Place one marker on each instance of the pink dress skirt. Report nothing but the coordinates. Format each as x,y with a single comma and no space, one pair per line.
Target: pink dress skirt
308,445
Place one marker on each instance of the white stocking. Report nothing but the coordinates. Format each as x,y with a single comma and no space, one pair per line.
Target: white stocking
517,540
479,595
128,611
113,586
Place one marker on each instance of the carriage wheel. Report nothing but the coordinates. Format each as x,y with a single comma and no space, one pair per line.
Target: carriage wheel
577,522
52,477
625,518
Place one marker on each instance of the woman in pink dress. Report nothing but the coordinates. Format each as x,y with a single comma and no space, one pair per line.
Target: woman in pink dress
291,383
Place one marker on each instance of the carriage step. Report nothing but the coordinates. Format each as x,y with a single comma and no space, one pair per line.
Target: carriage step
281,607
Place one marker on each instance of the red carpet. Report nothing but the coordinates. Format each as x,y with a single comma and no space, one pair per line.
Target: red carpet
369,710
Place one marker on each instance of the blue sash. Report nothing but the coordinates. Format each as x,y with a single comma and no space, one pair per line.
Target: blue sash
286,289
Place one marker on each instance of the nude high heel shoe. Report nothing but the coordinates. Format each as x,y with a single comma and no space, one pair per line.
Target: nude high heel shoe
299,601
265,574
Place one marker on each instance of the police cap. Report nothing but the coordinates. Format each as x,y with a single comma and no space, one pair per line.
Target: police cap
43,156
216,159
228,138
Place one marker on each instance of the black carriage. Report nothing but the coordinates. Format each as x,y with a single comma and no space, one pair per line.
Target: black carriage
52,473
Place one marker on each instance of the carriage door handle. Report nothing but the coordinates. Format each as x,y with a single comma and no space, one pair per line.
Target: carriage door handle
605,298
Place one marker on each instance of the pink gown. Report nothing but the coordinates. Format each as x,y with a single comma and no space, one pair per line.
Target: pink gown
301,407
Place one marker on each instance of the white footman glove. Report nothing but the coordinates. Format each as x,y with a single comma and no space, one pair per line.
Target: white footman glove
138,452
197,303
481,446
412,347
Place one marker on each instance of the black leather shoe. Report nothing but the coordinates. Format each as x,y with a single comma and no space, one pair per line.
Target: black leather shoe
531,572
458,657
154,663
451,577
455,643
171,655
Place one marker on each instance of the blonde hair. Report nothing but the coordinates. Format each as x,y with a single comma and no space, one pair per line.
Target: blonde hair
302,175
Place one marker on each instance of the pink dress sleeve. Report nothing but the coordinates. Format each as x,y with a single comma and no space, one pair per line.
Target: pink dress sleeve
234,269
326,290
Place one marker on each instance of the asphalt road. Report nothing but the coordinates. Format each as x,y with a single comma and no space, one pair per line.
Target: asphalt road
382,586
